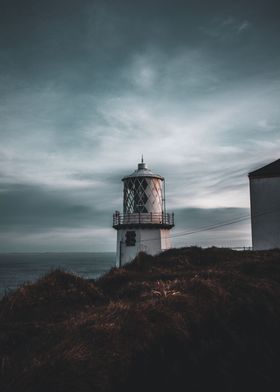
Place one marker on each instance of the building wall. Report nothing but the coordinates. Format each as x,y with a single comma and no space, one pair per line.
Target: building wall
265,212
151,241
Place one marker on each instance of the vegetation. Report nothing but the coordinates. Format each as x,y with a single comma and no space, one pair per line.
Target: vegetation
204,319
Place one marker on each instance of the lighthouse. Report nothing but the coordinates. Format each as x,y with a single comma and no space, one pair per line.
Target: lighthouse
144,225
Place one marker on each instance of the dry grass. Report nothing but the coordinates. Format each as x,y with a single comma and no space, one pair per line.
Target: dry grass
205,319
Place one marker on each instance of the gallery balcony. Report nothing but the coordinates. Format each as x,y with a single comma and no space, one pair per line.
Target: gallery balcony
143,220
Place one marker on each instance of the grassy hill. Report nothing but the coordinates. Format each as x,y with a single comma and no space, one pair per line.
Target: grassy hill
204,319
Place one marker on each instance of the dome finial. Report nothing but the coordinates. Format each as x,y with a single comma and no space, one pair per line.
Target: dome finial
142,165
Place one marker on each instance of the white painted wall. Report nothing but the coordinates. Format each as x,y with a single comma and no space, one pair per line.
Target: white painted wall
151,241
165,239
265,212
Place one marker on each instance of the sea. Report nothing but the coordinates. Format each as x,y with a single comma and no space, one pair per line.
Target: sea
19,268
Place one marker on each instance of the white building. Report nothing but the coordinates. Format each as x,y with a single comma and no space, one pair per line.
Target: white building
265,206
144,224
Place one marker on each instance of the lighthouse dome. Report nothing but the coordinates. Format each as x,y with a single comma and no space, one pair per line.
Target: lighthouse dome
142,171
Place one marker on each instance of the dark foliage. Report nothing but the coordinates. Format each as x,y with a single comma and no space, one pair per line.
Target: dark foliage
188,319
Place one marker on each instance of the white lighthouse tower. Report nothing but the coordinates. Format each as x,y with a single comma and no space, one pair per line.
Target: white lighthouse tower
144,224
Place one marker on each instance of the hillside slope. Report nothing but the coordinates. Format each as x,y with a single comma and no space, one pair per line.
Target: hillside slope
207,319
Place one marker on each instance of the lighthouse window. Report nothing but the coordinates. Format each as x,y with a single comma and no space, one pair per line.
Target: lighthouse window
130,184
136,195
144,184
130,238
140,208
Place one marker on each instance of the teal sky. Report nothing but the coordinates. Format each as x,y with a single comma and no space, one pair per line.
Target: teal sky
88,86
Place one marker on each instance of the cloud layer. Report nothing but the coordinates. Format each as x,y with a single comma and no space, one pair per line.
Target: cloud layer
87,91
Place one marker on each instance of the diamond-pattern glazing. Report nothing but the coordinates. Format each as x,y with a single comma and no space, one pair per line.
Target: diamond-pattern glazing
142,195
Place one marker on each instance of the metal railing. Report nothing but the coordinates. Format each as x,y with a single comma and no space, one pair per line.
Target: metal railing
143,218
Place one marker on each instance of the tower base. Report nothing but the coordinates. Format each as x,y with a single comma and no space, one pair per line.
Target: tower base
150,241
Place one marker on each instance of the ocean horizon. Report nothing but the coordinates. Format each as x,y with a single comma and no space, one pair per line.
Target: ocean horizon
17,268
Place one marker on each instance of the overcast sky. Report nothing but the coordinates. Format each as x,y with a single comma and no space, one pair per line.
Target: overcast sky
88,86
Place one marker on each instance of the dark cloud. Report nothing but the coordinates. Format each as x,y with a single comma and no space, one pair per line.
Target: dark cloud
197,218
79,45
34,208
